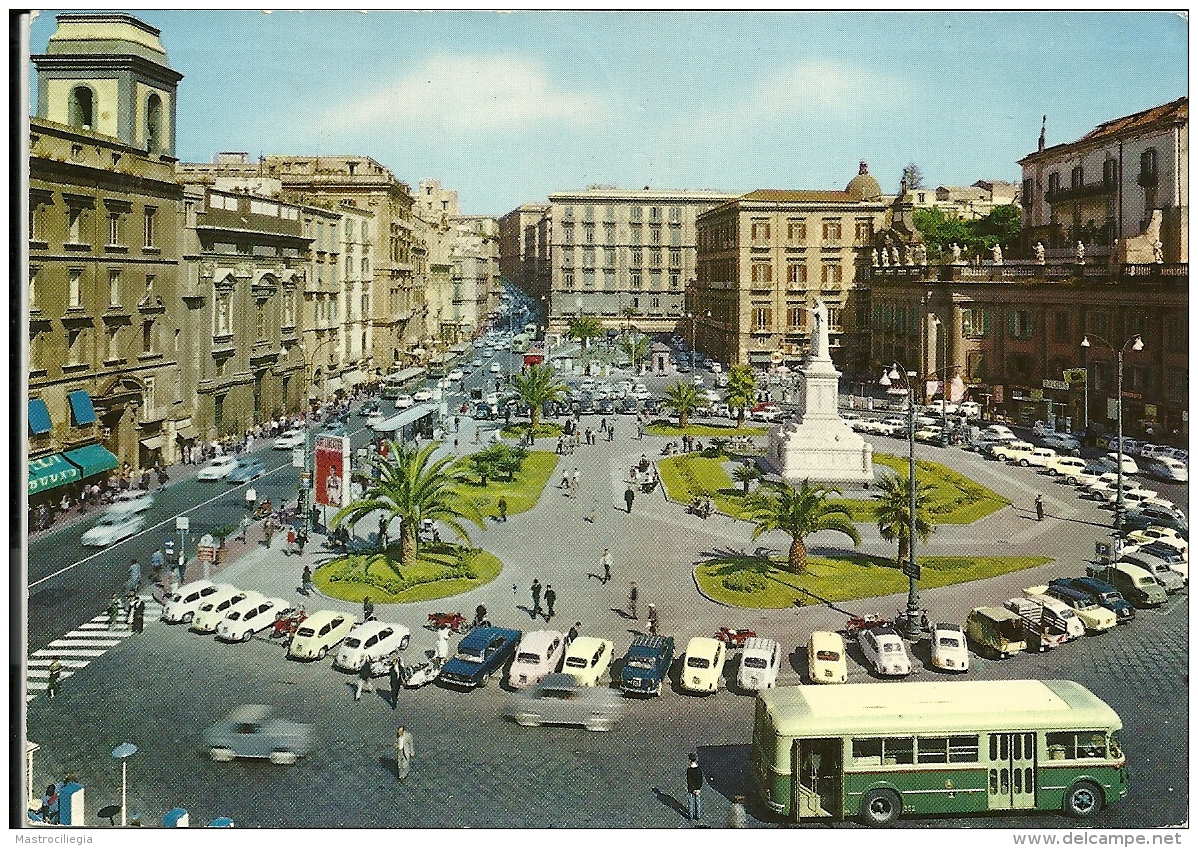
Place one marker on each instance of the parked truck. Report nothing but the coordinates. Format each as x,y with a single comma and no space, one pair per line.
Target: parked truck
646,665
1042,628
995,632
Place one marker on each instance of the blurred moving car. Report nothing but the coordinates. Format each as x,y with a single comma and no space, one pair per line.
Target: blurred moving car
702,665
948,647
537,656
111,528
218,469
256,730
369,642
131,500
588,658
248,468
319,633
293,438
561,699
826,658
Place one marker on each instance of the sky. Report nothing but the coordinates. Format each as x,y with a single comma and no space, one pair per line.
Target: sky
510,107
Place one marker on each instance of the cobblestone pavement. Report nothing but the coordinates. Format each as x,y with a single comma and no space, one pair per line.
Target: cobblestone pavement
472,768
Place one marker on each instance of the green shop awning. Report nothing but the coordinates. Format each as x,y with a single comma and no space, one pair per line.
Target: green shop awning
92,459
39,417
47,472
81,407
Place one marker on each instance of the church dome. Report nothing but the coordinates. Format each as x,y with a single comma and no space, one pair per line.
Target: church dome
863,186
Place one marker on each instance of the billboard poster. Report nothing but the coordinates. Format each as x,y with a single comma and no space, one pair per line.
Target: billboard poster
332,470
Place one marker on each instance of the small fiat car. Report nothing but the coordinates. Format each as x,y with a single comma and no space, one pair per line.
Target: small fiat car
702,665
826,658
247,618
369,642
760,660
538,655
187,599
588,658
884,649
949,652
319,633
213,610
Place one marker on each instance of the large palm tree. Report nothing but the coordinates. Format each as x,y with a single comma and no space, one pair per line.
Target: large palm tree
584,328
684,399
742,390
537,387
635,345
411,485
892,510
799,511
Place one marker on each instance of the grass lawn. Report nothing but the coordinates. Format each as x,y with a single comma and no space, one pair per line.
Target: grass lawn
760,583
955,499
441,570
659,428
544,430
522,493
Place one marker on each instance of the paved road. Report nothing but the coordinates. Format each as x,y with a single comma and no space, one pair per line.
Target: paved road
160,689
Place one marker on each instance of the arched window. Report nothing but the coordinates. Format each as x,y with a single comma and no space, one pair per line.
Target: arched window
154,124
81,108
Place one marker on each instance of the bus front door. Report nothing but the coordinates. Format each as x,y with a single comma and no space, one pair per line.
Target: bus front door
816,778
1011,777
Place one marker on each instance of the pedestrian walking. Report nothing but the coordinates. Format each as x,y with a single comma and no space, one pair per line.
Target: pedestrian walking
134,581
244,527
251,498
367,609
574,479
157,563
1039,507
606,561
363,681
573,634
301,539
611,432
652,614
442,651
306,580
694,789
536,597
268,530
139,615
395,681
114,610
403,753
640,430
550,597
290,541
502,509
736,813
55,676
632,594
629,497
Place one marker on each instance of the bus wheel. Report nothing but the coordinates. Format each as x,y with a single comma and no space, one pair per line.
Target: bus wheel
881,807
1083,800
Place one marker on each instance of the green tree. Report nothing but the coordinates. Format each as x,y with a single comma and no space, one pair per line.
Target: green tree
742,390
499,461
411,485
584,328
799,511
939,231
892,510
913,176
1001,226
536,388
684,399
745,474
635,346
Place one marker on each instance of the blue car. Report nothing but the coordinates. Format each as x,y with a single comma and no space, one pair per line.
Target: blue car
481,653
248,468
1104,593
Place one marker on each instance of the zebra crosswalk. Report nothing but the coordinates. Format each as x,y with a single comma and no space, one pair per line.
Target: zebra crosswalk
77,649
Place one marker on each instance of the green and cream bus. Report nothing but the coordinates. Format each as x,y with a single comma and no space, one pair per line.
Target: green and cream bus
879,750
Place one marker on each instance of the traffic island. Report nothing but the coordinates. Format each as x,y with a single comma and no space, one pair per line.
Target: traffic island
757,582
441,570
522,491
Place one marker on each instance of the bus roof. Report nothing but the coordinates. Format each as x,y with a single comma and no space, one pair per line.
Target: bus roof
965,706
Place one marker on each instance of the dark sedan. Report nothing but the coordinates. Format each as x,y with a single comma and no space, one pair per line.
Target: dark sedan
481,653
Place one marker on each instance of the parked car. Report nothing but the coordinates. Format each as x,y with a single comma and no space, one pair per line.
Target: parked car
1074,627
455,375
970,409
760,660
1166,535
293,438
423,395
1169,579
588,659
241,622
213,610
826,661
1105,594
187,599
1014,452
371,641
939,407
1178,563
1095,618
928,435
1135,584
539,654
702,664
111,528
646,664
404,402
768,412
374,417
495,368
218,469
1149,514
1062,443
248,468
561,699
319,633
1043,626
948,647
885,651
1111,460
481,653
256,730
1039,458
1168,470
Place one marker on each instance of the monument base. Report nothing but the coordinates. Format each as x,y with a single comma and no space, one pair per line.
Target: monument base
825,451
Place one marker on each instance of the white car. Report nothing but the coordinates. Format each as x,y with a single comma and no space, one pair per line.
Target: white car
941,408
111,528
405,402
970,409
293,438
214,608
218,469
826,658
371,641
760,660
1169,470
319,633
1129,464
948,648
885,651
1162,535
712,395
697,379
1014,452
1039,458
1065,467
247,618
538,655
588,659
495,368
477,363
187,599
455,375
422,396
376,416
702,665
133,500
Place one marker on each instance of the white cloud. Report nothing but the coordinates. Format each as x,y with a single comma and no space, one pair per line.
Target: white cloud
465,95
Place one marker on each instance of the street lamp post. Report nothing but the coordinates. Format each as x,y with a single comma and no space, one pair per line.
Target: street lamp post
909,624
123,752
1137,344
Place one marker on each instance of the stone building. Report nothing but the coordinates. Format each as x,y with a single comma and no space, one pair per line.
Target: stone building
524,249
966,202
764,258
105,311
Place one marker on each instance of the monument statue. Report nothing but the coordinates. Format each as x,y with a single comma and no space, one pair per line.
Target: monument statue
907,255
996,252
956,248
1081,253
875,257
894,256
819,339
885,258
1039,253
1158,252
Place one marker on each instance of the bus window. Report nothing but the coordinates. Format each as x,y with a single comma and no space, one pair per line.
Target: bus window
891,751
1076,745
947,749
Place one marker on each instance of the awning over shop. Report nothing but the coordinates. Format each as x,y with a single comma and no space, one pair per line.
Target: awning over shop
81,407
39,417
92,459
153,443
47,472
409,416
187,433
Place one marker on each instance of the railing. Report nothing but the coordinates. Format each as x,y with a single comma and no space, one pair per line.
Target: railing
1031,272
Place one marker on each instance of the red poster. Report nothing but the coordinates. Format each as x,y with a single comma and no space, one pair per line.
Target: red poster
332,470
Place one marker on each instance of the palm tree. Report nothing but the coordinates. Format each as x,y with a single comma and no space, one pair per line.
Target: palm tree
635,345
409,484
746,473
799,511
742,390
892,510
584,328
684,399
536,388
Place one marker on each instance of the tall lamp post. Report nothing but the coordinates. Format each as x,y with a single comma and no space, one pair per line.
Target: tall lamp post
1137,344
908,624
123,752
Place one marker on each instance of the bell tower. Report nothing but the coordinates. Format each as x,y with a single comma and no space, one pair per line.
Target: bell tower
108,73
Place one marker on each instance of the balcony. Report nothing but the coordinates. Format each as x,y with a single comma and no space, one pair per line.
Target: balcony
1147,179
1062,195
